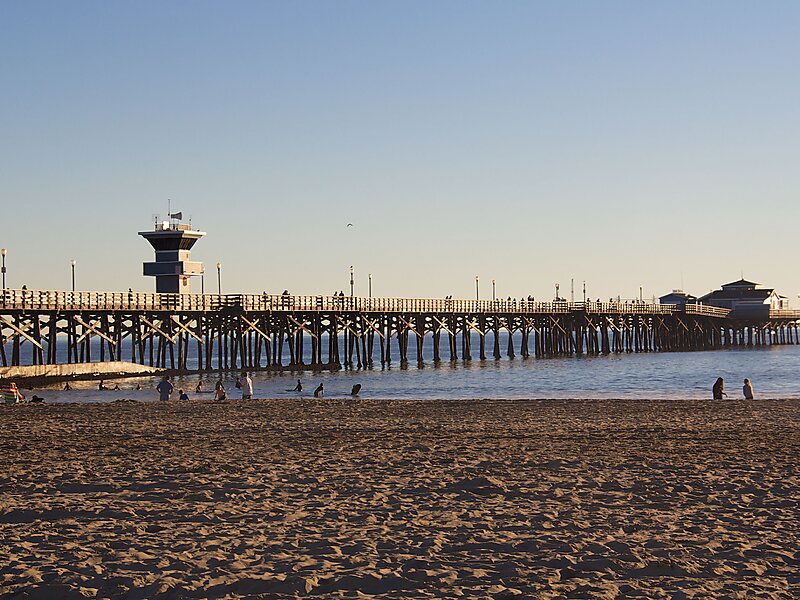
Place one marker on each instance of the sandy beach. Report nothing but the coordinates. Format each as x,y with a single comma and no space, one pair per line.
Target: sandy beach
362,498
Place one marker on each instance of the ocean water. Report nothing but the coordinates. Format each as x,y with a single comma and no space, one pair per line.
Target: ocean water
774,371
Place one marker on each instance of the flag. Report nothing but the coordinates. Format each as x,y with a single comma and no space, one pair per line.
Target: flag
177,215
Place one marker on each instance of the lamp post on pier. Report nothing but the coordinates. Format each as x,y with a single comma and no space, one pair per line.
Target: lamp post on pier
494,294
352,281
557,286
72,263
369,275
219,278
584,292
3,252
477,293
641,299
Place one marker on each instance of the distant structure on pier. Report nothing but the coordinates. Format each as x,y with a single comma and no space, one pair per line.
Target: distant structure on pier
745,298
172,242
678,297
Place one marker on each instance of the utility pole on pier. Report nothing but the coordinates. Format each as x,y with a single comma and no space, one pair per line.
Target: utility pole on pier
351,281
477,294
3,252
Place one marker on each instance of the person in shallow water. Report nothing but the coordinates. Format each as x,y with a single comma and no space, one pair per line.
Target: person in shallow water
164,389
298,387
719,389
747,390
320,391
356,389
247,386
219,390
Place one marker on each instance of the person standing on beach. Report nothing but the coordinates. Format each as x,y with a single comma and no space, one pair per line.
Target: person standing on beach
719,389
319,392
747,390
164,389
247,386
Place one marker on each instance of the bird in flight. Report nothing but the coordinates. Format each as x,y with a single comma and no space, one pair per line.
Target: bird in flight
349,224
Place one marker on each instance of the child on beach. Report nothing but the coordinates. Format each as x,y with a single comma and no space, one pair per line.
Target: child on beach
219,390
183,395
247,386
10,393
719,389
747,389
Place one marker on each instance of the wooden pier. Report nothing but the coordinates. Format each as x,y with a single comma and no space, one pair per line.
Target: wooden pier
194,332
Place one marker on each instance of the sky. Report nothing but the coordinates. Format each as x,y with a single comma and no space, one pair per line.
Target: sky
623,144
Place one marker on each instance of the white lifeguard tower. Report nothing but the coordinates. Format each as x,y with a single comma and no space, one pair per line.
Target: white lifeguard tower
172,241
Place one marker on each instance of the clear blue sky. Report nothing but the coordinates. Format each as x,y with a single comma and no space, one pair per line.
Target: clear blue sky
621,143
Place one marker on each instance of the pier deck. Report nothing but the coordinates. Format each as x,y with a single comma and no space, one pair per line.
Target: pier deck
187,332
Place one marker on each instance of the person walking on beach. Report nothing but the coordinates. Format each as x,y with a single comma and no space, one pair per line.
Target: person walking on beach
298,387
747,389
319,392
719,389
164,389
247,386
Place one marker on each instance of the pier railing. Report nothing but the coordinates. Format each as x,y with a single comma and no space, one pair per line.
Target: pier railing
50,300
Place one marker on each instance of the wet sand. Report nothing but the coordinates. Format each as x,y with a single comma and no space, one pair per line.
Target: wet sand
343,498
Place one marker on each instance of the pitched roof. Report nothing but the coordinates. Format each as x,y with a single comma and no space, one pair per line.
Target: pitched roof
738,294
740,283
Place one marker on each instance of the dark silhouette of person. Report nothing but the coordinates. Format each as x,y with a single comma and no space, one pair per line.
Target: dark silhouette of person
356,389
298,387
747,390
319,392
719,389
164,389
67,387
